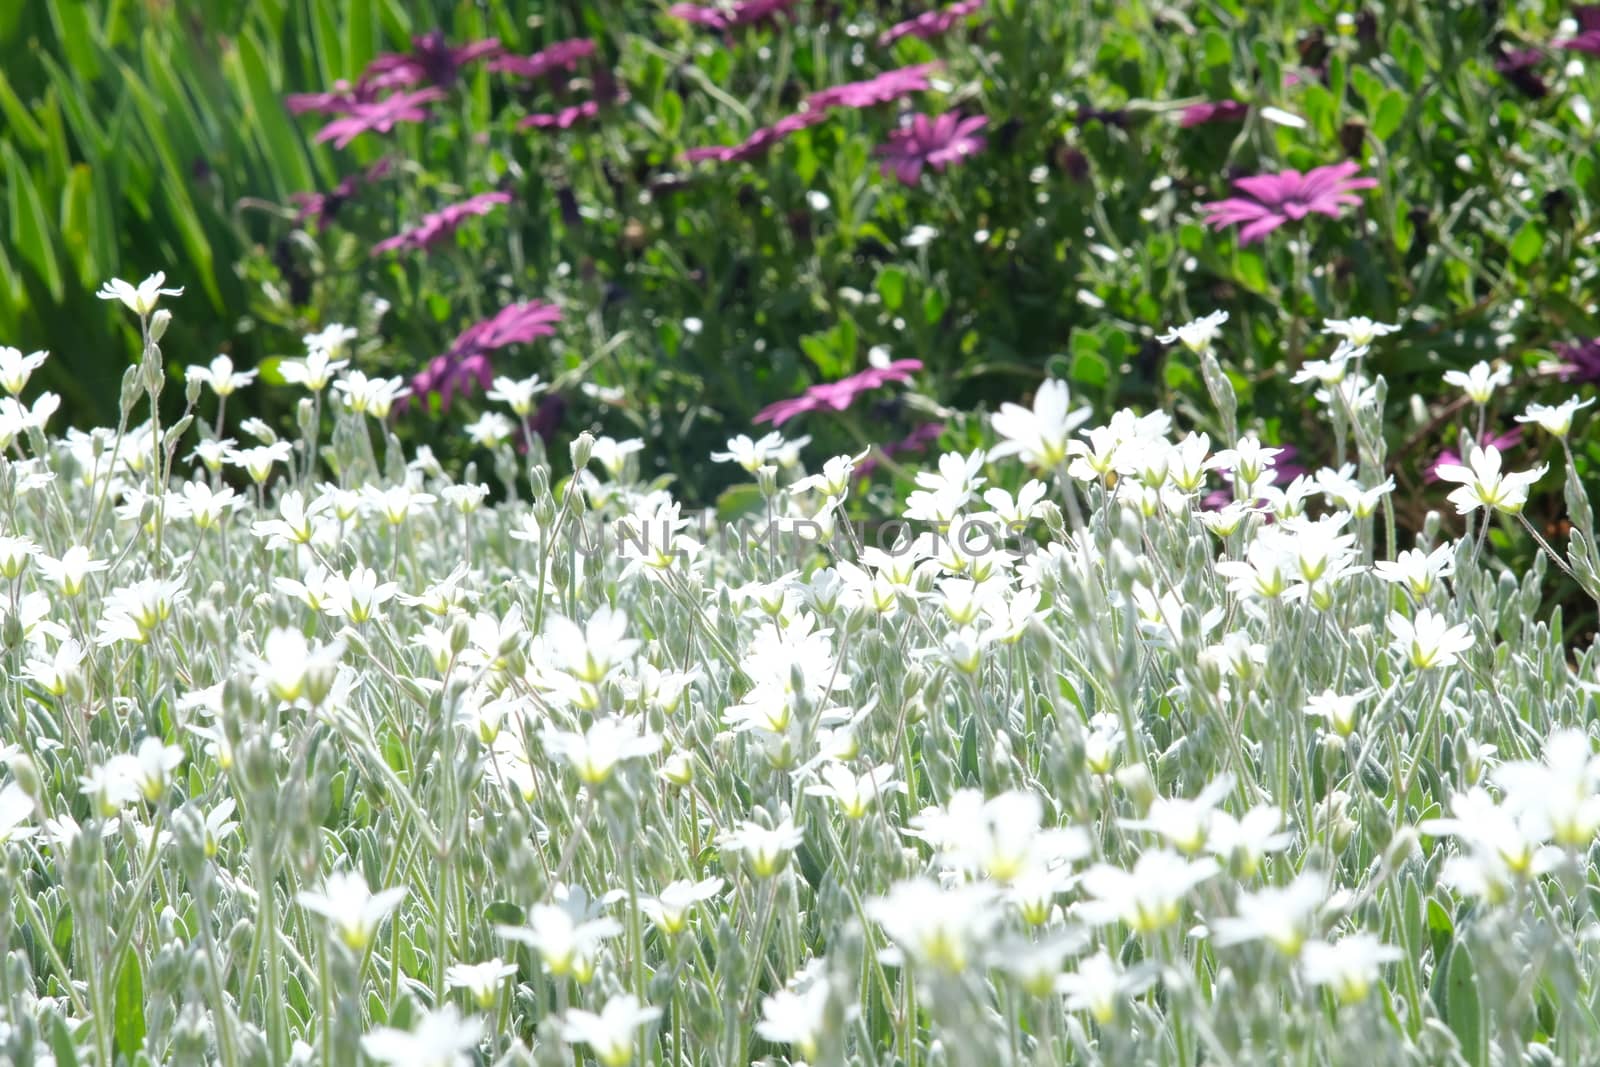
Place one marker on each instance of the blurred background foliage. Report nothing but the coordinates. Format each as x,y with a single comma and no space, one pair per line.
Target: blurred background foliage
144,135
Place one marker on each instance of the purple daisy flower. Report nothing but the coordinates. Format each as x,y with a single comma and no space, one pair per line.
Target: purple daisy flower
1588,39
563,55
564,119
1272,200
838,395
380,117
1215,111
342,98
441,224
886,88
725,17
1580,362
1520,67
931,142
914,443
1510,439
431,62
466,365
758,143
930,24
324,206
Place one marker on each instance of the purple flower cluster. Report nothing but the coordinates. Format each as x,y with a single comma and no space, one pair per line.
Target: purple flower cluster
431,61
1588,39
1214,111
931,24
1271,200
731,16
441,224
838,395
914,443
324,206
467,366
380,117
885,88
1580,362
758,143
561,56
564,119
930,142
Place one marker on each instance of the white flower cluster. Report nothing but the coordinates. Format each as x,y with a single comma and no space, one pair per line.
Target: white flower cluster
1180,761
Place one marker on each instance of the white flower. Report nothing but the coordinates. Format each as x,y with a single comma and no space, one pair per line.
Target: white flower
1001,837
855,794
567,934
1557,420
15,554
480,980
1350,966
797,1016
610,1034
1483,485
359,597
259,460
595,752
370,396
441,1038
936,927
15,807
16,368
1480,382
919,236
1147,898
1560,795
56,674
1039,436
290,668
1199,335
1100,983
1358,330
353,909
1279,915
109,787
517,394
331,341
297,525
221,376
1338,711
490,430
140,299
750,454
670,910
613,455
1185,823
765,850
314,372
206,507
1417,570
1429,640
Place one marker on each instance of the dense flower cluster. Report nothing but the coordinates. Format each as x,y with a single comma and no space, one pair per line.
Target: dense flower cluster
1085,767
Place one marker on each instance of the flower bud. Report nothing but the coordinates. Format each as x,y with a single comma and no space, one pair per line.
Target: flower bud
582,450
159,323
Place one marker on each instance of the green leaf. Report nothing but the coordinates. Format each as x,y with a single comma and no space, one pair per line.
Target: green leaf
30,227
1090,369
933,305
892,287
128,1013
19,120
1462,1010
1389,114
1528,243
279,139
